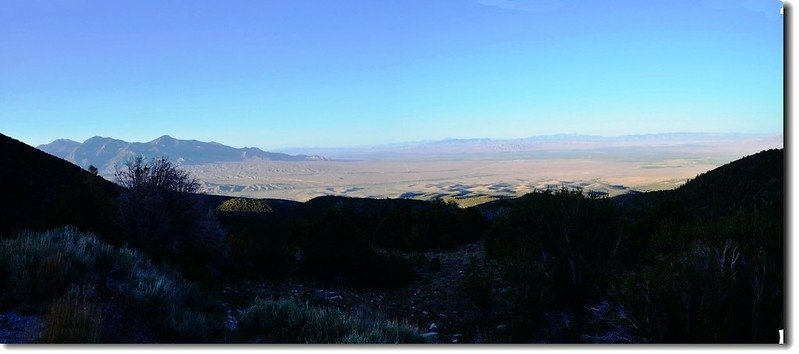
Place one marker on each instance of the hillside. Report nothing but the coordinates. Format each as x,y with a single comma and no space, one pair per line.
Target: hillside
42,191
105,153
752,183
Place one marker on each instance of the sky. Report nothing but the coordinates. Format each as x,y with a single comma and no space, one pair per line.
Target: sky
317,73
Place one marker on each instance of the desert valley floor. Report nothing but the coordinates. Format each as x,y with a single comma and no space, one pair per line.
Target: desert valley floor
467,181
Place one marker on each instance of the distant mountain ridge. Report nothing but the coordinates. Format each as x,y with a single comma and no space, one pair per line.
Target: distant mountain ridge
105,153
546,144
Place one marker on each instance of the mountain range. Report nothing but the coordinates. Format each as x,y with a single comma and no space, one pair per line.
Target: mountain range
553,144
106,153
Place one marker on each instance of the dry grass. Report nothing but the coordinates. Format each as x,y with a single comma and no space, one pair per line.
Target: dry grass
285,321
74,318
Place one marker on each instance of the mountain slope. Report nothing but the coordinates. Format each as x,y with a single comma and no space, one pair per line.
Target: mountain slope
755,182
41,191
105,153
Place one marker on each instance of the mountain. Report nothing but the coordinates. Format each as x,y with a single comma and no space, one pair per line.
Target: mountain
42,191
557,145
61,147
105,153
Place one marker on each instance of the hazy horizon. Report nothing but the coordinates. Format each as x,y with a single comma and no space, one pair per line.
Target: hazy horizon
408,142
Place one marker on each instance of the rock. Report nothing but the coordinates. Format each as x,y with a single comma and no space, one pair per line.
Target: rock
456,338
430,336
433,328
502,328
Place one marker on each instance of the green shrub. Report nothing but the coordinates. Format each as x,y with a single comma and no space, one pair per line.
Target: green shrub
246,205
284,321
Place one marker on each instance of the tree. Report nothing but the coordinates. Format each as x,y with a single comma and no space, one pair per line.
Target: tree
92,170
140,174
158,214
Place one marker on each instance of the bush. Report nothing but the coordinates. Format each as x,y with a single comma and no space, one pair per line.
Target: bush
709,293
477,284
432,225
245,205
572,239
333,247
284,321
75,276
39,266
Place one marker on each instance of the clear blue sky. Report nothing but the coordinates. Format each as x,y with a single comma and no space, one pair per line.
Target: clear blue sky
287,73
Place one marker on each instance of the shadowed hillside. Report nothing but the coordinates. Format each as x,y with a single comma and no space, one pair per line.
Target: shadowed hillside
754,182
42,191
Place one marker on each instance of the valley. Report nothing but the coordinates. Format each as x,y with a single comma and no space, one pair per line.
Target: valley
465,181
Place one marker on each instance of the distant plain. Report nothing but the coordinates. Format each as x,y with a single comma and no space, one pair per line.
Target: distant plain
472,177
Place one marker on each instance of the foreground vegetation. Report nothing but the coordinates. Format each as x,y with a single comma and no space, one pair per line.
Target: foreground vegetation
153,262
285,321
93,292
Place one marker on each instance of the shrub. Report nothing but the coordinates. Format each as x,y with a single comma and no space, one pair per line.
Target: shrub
85,276
477,284
246,205
261,249
709,293
73,318
284,321
39,266
429,226
435,264
573,240
334,247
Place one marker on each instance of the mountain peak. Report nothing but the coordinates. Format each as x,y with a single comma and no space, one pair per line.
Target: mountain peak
105,153
69,141
96,138
164,139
